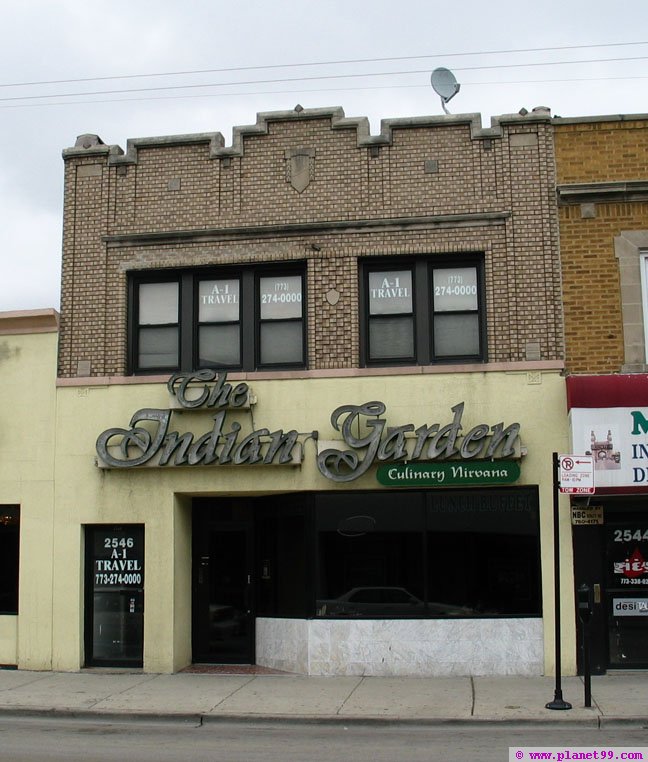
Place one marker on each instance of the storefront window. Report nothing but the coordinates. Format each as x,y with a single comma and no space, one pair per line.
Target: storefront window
282,557
9,558
432,554
627,586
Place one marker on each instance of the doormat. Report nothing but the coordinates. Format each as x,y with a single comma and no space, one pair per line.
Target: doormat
232,669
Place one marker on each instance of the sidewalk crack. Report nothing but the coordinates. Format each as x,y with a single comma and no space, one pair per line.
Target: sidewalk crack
146,679
472,694
595,703
23,685
355,688
234,692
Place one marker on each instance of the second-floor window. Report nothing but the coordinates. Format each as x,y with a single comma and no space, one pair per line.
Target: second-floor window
241,319
158,334
422,311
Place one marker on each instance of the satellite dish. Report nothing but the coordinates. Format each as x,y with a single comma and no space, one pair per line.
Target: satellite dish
444,85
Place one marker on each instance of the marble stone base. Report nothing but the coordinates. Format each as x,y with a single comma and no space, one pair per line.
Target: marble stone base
424,647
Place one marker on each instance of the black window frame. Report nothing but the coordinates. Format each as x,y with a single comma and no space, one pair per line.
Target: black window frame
9,559
135,328
423,311
226,273
250,332
266,272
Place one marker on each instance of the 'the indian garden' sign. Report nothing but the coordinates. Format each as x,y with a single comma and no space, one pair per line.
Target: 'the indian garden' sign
366,438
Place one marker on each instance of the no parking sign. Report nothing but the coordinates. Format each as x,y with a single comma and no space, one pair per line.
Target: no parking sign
576,474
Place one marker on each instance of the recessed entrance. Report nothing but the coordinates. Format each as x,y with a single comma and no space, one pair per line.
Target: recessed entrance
611,559
223,617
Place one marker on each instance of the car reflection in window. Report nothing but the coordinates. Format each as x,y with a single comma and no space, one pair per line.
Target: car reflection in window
386,602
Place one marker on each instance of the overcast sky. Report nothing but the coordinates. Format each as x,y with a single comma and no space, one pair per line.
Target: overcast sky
198,46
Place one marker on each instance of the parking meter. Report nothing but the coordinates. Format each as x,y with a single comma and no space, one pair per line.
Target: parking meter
585,600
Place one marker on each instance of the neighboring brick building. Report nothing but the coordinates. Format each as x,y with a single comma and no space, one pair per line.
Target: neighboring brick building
603,191
389,308
602,174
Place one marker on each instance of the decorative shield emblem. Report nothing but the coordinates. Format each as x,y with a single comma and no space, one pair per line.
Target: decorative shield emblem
333,296
300,167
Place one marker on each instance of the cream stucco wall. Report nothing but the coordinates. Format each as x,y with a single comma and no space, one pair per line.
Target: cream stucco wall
159,498
28,343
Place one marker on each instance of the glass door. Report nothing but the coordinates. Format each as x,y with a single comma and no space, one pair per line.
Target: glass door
627,562
114,626
223,620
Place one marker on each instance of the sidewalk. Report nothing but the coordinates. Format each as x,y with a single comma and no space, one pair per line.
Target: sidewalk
616,698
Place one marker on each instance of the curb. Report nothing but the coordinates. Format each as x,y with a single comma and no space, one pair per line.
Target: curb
622,722
375,721
199,719
86,715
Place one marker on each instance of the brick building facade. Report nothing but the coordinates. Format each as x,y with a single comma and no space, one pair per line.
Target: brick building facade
441,186
602,174
308,389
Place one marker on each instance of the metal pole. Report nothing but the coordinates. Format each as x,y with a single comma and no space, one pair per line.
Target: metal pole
557,702
587,670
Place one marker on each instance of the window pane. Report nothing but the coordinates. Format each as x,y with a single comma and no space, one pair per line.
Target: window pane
455,289
158,303
627,551
218,301
498,574
158,347
391,338
482,557
280,297
9,550
283,556
281,343
456,335
219,345
495,534
390,292
370,557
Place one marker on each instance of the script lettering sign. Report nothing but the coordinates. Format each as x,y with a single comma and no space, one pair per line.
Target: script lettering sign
365,437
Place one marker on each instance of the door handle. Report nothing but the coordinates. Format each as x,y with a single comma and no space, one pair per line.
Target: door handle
204,564
597,592
248,595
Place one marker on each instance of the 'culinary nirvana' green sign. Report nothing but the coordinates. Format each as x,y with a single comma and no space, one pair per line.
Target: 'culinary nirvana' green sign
456,473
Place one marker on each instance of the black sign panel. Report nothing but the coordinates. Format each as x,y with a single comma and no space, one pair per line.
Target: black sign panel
115,595
118,561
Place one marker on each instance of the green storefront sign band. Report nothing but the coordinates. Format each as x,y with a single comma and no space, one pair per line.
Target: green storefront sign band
453,474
